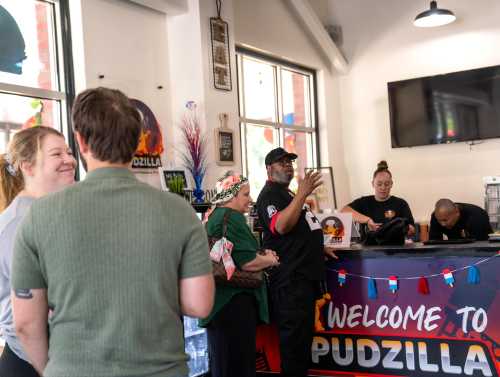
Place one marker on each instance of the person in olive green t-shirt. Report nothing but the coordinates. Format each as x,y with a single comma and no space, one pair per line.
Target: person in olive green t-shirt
231,326
118,262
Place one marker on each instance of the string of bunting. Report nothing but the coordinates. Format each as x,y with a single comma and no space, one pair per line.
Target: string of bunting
473,277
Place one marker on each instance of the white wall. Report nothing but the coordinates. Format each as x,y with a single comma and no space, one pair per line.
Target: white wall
138,49
126,43
271,27
185,72
165,6
219,101
192,78
382,45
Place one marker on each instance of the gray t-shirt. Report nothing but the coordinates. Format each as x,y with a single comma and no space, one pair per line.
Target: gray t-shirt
111,251
10,218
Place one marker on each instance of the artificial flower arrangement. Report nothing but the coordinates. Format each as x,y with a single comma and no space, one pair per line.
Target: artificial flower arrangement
195,142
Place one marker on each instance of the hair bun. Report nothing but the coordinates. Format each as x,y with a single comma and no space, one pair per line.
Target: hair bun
382,165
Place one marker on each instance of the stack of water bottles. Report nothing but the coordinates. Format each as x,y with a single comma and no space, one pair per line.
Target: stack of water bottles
196,347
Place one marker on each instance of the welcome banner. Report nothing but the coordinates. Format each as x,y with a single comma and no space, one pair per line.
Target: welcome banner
451,328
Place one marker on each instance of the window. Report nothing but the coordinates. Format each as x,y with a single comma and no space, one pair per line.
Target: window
277,109
35,87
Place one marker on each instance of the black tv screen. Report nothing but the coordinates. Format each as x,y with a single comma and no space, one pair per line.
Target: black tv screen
459,106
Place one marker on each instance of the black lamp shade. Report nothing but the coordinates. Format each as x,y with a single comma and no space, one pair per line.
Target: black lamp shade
434,17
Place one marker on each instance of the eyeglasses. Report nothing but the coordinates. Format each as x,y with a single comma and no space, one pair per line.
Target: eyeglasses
383,184
285,162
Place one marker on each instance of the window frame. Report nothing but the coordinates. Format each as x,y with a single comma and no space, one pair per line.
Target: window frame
279,125
65,73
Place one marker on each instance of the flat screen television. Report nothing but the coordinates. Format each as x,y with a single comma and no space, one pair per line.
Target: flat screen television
459,106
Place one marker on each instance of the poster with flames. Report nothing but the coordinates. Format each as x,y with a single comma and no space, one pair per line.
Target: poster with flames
150,148
451,329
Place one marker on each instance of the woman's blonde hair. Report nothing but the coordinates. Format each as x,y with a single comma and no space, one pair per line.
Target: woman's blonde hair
24,147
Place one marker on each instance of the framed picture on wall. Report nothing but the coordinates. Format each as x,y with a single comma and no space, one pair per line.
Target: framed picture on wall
325,194
224,146
173,180
220,54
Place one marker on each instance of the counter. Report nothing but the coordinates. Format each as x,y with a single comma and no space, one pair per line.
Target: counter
405,311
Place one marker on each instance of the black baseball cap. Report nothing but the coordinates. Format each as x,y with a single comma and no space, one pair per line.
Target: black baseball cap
277,154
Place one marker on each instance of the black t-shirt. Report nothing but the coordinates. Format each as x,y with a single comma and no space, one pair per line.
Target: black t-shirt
300,250
377,211
474,222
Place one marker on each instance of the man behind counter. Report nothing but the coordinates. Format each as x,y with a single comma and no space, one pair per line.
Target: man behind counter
459,220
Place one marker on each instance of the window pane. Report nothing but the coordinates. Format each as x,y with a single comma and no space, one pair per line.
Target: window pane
259,90
296,101
302,144
259,141
18,112
29,56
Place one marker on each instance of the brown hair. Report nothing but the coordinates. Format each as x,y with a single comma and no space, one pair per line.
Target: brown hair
382,167
24,147
109,123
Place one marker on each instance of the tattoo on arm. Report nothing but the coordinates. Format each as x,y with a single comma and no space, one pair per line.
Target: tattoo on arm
24,294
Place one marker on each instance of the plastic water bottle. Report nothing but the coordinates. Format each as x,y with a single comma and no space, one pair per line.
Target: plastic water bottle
201,342
191,351
185,320
190,325
205,361
201,352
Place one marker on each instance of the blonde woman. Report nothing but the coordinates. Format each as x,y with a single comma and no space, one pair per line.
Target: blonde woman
38,162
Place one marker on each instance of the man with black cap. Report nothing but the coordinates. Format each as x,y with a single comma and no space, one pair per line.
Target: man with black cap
292,230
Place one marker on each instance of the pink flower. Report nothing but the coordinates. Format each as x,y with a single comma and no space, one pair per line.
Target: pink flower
226,183
230,181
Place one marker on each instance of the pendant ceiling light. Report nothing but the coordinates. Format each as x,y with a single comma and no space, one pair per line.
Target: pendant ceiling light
434,17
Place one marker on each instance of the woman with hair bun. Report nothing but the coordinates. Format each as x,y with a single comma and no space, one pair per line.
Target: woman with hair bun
37,162
374,210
